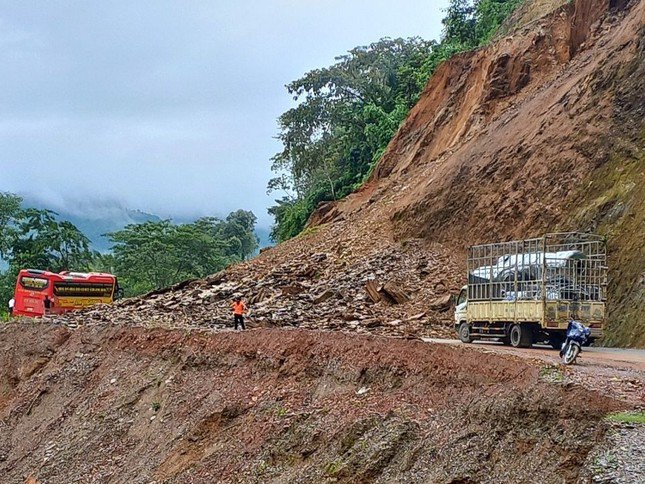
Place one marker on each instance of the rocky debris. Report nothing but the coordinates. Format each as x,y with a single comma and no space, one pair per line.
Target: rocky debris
443,303
388,292
329,284
621,459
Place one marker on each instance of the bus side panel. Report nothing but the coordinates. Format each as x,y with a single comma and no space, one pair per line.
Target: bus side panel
70,303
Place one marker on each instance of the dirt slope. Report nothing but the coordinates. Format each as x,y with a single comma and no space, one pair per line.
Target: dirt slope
541,131
121,404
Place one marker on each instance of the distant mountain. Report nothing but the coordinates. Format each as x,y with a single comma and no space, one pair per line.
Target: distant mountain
95,219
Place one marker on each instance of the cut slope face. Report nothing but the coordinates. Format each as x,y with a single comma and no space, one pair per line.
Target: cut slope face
134,405
541,131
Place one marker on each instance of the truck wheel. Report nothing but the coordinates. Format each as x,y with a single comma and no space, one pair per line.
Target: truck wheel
464,333
521,336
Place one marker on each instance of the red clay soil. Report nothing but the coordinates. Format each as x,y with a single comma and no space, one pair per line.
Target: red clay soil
120,404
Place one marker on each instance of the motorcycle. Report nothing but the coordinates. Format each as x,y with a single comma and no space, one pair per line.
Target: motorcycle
577,336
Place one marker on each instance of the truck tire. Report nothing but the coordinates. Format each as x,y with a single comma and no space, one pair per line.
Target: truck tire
521,336
464,333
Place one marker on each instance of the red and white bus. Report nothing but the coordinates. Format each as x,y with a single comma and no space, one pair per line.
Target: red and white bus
41,292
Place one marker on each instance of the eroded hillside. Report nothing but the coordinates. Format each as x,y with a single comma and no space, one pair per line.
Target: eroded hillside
540,131
122,404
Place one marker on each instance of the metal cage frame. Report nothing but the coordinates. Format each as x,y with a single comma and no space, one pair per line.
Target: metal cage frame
564,266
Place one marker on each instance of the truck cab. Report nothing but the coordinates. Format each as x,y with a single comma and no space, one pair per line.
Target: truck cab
461,314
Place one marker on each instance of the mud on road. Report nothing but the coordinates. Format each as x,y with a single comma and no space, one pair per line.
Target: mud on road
277,405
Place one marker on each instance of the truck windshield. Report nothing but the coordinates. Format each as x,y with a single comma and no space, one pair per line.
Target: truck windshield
462,297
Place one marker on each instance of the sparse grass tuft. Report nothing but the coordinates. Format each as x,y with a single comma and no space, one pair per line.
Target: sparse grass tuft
332,468
627,417
551,374
280,411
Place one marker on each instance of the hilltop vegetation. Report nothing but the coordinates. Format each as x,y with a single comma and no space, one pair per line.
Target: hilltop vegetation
347,113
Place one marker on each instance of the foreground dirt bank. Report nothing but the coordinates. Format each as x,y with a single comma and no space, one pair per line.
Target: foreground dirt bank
140,405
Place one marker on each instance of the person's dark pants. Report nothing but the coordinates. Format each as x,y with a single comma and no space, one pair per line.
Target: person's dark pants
239,319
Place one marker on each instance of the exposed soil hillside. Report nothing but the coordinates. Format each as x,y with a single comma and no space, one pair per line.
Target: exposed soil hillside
122,404
541,131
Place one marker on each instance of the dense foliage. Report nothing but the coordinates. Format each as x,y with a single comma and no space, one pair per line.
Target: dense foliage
347,113
145,256
34,238
158,254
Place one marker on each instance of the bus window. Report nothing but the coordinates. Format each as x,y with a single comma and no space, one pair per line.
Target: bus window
34,283
80,289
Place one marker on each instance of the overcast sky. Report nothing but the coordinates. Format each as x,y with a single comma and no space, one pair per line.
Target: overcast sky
167,106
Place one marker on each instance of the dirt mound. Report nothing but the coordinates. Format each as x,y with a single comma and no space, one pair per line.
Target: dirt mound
280,406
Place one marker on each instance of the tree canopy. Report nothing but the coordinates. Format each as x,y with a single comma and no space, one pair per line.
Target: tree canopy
153,255
33,238
346,114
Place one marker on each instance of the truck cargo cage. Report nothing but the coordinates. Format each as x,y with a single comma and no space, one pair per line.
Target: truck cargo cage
568,267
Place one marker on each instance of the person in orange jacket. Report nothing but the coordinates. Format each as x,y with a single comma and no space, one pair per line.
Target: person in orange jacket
238,312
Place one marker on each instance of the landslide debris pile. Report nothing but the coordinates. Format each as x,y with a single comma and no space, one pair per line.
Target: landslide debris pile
122,404
329,281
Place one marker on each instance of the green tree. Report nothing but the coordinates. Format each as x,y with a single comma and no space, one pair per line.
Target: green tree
345,116
42,242
240,225
153,255
9,211
347,113
33,238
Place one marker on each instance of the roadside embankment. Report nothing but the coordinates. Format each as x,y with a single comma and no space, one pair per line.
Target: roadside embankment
281,405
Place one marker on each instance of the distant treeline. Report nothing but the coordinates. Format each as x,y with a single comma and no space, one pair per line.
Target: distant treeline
144,256
347,113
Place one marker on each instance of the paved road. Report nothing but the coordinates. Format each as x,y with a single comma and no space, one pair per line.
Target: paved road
612,357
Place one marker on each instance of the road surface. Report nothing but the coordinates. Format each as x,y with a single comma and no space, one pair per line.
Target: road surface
614,357
617,372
